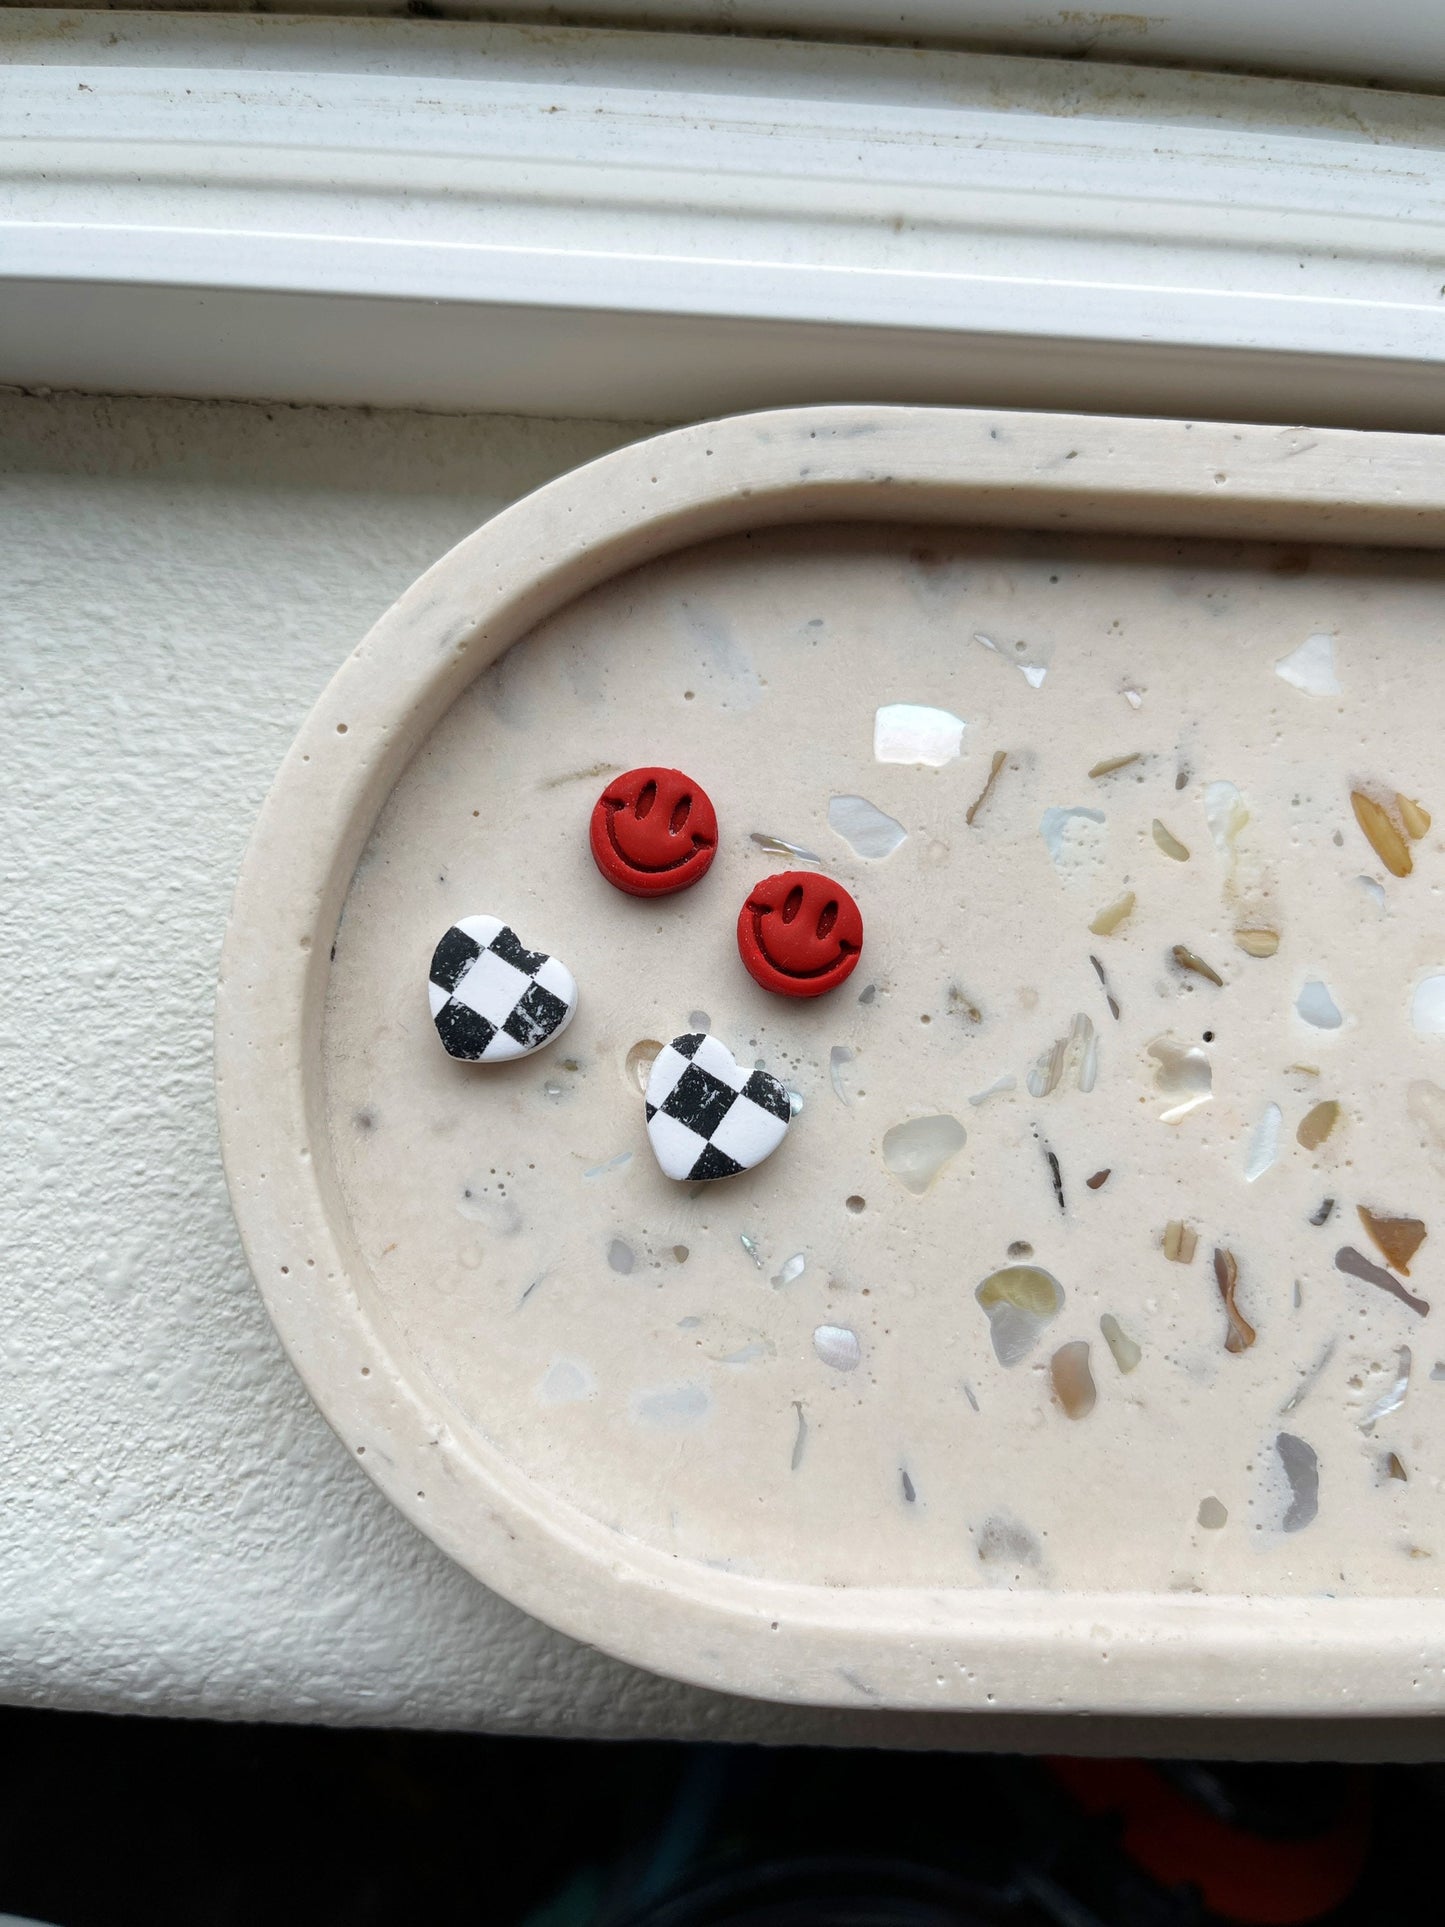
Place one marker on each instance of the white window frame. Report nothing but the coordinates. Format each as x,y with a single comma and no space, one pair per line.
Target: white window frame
634,224
1376,43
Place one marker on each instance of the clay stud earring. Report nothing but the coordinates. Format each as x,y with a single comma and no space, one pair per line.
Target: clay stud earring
492,998
800,934
706,1116
653,831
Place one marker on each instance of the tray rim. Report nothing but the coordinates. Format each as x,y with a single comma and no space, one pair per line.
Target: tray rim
901,1648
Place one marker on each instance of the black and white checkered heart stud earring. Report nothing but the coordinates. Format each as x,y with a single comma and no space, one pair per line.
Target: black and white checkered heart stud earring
706,1116
492,998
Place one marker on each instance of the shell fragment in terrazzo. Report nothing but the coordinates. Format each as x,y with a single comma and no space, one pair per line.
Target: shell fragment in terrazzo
706,1116
492,998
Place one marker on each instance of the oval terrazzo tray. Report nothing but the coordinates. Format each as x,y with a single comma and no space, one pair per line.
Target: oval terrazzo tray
950,1404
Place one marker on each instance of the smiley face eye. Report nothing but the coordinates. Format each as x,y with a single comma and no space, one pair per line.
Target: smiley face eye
827,917
792,903
681,811
646,797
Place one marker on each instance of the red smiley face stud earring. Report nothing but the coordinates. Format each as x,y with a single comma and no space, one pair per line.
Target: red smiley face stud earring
653,831
800,934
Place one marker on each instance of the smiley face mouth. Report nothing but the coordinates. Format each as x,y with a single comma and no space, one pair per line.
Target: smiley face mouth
845,949
614,805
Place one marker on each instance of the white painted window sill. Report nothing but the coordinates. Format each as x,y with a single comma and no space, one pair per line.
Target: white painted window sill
181,1533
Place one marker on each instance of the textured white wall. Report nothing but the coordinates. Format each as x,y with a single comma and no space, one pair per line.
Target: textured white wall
179,1531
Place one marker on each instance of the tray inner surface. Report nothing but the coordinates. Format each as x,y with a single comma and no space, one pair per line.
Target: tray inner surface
652,1354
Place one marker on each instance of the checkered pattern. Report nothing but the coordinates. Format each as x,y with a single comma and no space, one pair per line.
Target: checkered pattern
706,1116
491,998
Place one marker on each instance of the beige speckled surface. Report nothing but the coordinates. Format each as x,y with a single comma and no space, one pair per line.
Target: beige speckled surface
490,1243
655,1455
